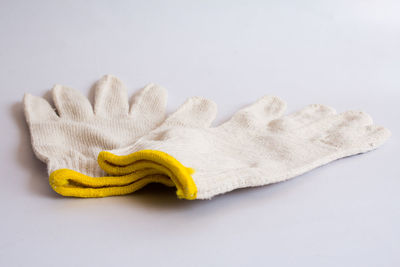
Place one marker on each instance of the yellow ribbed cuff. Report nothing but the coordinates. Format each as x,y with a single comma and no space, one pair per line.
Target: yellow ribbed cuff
67,182
164,163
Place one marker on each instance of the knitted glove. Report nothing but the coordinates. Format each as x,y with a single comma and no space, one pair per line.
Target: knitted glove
257,146
69,141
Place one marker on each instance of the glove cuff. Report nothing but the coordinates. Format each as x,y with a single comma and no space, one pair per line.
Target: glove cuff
164,163
84,166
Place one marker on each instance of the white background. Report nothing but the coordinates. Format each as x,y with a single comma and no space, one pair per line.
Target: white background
345,54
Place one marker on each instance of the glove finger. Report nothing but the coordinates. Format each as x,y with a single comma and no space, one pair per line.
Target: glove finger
311,113
150,102
111,97
357,139
258,114
345,120
372,137
339,129
38,109
301,118
195,112
71,103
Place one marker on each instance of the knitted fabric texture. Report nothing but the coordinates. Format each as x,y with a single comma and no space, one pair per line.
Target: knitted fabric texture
69,138
257,146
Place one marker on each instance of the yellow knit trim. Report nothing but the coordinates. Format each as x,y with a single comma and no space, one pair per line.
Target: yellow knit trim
67,182
161,161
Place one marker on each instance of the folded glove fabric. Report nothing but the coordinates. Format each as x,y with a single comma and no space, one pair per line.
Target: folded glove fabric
257,146
69,138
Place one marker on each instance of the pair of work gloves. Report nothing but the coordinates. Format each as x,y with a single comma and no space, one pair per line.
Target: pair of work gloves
116,148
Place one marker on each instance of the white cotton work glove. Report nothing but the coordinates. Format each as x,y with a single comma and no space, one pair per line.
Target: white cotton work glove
69,138
257,146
